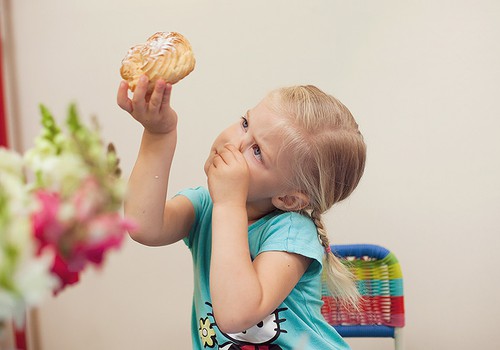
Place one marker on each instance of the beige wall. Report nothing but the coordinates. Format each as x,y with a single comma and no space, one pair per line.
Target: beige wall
422,78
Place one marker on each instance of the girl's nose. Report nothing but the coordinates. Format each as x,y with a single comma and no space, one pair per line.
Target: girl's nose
244,144
241,143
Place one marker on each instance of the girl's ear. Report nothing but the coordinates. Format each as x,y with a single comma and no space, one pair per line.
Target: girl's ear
291,202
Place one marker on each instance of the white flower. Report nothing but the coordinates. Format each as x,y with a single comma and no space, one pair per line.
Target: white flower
9,305
11,163
63,172
33,283
34,280
25,277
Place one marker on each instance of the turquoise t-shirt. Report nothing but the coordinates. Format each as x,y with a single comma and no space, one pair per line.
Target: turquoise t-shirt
297,322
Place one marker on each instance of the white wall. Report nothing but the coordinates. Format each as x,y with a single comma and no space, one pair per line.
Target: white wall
422,78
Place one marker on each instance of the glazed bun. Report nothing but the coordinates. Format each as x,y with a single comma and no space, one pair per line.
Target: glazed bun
166,56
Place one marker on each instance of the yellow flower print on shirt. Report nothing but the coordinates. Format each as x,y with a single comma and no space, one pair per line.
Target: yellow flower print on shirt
207,333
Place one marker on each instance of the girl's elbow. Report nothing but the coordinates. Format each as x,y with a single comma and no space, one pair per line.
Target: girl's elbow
137,236
230,326
143,238
232,322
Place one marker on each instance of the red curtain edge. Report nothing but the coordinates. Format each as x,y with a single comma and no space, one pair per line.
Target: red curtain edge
3,116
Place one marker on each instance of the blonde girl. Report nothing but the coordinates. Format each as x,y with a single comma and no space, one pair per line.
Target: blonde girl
256,234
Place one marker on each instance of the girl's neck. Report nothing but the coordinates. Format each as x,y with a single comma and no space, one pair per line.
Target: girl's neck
256,212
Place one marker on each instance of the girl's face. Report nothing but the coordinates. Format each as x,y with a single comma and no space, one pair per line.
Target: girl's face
257,137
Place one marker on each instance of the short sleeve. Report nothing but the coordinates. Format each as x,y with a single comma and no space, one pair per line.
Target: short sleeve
294,233
200,198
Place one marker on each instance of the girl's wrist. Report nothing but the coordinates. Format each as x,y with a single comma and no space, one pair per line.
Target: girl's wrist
158,143
159,135
227,209
229,219
228,206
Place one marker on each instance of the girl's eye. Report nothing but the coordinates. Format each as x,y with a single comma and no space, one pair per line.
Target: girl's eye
244,123
257,152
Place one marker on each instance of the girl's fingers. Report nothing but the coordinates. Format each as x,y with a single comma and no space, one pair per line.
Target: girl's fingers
232,153
217,161
122,97
226,155
156,100
232,148
165,102
139,98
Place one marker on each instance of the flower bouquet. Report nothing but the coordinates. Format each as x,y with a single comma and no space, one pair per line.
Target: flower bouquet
60,207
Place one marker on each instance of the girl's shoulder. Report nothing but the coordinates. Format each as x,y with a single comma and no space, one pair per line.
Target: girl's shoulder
198,192
289,221
286,231
199,197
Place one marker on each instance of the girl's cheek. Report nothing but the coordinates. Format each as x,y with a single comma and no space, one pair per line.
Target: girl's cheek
254,164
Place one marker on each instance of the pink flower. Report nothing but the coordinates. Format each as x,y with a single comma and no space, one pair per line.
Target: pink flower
47,228
66,276
80,239
105,232
89,199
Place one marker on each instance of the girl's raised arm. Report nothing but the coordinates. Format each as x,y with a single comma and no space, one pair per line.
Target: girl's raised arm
159,222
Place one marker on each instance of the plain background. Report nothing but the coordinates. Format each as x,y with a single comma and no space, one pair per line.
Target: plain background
421,77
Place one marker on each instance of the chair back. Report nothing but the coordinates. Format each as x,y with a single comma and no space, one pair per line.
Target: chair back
380,283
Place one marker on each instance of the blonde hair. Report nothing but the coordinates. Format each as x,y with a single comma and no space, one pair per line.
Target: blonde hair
328,161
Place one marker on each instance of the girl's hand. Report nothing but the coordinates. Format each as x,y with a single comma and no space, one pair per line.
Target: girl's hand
228,177
153,110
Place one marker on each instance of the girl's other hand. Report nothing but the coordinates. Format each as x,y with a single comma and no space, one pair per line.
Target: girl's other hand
153,110
228,177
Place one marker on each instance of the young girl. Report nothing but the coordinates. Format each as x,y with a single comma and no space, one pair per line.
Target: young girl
256,235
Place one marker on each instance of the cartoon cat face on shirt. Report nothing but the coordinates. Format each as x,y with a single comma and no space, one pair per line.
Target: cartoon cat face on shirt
264,332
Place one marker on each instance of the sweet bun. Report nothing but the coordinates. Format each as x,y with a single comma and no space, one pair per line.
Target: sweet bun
166,56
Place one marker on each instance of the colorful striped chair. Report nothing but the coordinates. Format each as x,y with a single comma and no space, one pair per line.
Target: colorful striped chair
380,283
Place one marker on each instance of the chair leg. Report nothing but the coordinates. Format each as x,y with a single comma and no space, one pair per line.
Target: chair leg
398,338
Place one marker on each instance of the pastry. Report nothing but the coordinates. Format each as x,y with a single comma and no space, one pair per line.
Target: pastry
166,56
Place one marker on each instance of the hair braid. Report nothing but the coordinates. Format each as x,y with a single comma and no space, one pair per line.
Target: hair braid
340,280
322,235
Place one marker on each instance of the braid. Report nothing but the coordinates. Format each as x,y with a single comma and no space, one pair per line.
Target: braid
322,235
339,280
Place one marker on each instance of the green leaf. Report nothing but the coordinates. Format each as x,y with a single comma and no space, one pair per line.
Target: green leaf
73,120
51,130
